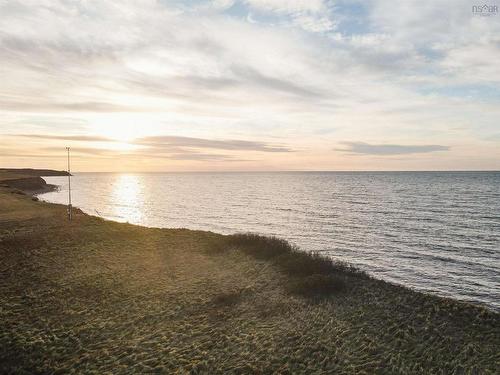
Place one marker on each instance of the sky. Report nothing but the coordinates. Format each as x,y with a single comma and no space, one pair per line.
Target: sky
249,85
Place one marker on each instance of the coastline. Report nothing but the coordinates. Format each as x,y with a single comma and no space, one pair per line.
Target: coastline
29,181
179,293
32,187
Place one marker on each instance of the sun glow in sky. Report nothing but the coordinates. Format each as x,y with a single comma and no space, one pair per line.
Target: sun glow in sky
124,128
123,133
249,85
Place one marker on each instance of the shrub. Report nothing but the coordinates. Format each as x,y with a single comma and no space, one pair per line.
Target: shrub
289,258
316,285
216,245
298,263
310,273
260,246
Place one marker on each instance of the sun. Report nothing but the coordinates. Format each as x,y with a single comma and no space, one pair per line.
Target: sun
123,132
123,128
118,136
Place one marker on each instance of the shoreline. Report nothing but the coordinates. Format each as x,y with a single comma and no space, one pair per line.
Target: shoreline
34,189
255,289
430,292
44,187
29,181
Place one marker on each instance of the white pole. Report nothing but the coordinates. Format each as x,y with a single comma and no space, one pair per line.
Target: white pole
69,189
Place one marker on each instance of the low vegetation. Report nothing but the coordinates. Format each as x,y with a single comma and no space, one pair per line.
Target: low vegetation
317,285
311,274
93,296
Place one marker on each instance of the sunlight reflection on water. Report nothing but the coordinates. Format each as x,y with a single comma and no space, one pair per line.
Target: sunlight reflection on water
128,195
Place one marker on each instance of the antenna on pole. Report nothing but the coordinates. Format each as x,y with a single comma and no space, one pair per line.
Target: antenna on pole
69,188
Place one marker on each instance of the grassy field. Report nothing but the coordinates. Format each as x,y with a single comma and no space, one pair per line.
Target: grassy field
94,296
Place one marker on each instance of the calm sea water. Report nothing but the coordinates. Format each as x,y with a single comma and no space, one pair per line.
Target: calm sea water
436,232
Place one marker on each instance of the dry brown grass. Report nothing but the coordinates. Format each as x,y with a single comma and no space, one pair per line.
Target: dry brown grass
93,296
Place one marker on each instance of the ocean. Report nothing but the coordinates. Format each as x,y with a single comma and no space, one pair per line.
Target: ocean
437,232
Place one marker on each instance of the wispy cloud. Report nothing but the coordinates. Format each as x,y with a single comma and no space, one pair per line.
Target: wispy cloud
169,142
198,156
311,15
87,151
189,142
165,147
81,138
173,153
46,105
230,77
388,149
253,76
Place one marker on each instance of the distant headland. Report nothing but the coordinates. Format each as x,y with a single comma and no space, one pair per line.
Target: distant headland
33,172
28,180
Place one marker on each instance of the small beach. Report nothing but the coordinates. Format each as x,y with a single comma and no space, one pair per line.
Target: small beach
97,296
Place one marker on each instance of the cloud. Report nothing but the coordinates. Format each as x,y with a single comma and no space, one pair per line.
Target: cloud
44,105
238,77
310,15
168,143
189,142
198,156
369,70
87,153
172,153
253,76
82,138
92,151
288,6
389,149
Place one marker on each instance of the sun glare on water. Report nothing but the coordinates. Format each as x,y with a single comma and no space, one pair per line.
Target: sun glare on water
128,191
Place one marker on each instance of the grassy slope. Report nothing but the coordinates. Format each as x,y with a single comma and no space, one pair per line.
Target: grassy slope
8,175
99,296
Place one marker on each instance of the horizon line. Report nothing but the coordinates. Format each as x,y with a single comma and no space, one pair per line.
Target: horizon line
298,171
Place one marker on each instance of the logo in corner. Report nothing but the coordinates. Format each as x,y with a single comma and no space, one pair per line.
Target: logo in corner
485,10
